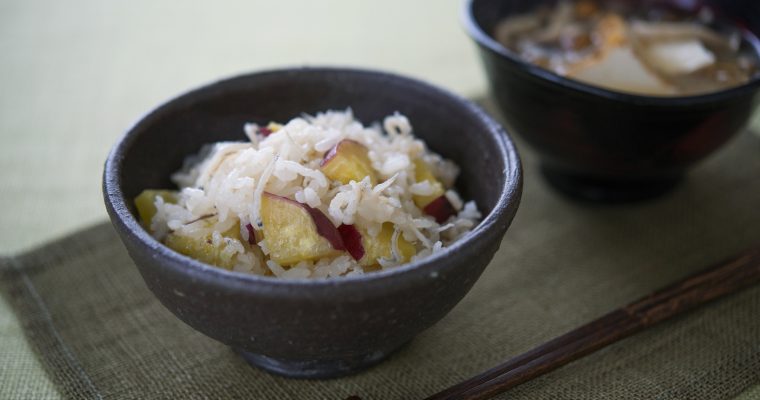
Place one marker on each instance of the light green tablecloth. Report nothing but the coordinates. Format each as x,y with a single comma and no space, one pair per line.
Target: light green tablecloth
76,74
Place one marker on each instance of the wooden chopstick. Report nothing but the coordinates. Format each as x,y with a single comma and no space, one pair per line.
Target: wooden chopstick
716,281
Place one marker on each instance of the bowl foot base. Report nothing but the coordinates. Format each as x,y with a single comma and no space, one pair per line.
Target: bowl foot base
601,190
315,369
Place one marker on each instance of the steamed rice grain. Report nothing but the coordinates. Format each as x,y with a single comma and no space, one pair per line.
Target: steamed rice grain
221,189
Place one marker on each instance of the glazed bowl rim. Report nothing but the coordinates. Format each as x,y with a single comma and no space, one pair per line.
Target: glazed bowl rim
484,40
456,255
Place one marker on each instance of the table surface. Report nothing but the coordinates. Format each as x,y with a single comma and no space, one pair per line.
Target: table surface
76,74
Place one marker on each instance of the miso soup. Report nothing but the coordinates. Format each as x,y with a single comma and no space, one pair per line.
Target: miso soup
633,47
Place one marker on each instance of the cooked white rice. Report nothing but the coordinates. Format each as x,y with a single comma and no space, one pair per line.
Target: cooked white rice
227,179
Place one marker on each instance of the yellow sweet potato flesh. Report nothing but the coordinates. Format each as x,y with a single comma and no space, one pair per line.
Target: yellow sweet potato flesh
146,208
380,246
423,173
348,161
291,233
203,248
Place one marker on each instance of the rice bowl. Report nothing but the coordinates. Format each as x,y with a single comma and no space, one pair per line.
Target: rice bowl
313,328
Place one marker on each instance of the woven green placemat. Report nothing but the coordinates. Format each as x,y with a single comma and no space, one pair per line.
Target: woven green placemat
100,333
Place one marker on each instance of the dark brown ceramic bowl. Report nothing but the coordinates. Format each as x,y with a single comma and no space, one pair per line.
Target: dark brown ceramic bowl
328,327
600,144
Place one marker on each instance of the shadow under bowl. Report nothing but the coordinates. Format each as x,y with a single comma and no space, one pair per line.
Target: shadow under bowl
323,327
602,145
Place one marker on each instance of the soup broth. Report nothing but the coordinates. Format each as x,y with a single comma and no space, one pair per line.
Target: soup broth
631,47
